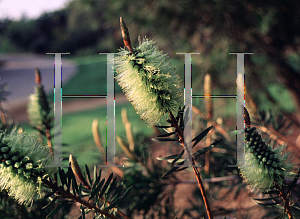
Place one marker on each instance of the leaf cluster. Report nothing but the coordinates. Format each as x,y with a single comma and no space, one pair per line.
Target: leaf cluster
103,195
151,195
174,136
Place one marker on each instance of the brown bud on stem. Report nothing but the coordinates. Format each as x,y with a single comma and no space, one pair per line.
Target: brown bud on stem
125,35
247,118
77,171
207,94
96,136
38,77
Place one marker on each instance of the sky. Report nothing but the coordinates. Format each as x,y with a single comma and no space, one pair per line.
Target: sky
15,9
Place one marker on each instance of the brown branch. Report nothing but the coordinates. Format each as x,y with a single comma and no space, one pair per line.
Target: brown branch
197,174
211,180
77,199
286,202
207,154
48,136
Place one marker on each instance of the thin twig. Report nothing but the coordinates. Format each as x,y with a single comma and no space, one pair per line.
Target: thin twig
49,137
211,180
207,154
195,169
286,202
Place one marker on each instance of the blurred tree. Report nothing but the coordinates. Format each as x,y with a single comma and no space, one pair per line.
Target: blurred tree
269,29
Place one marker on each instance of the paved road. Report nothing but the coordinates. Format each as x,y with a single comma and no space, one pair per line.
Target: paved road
18,72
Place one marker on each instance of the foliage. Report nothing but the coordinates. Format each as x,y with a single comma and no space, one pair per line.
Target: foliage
217,34
10,209
151,195
103,195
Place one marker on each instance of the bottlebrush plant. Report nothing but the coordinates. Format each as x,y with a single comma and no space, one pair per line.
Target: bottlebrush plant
268,169
154,89
25,177
148,79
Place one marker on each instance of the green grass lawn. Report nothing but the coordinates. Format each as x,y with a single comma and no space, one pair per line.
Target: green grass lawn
77,132
90,78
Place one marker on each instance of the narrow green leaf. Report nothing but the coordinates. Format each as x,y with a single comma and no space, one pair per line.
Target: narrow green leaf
106,185
181,122
113,204
95,173
178,157
166,135
201,135
88,174
74,185
56,209
97,180
166,130
177,162
99,174
265,199
82,212
202,151
117,192
126,192
48,195
79,190
162,126
87,211
167,157
170,171
112,186
183,168
69,177
170,121
97,189
164,139
52,201
63,177
267,204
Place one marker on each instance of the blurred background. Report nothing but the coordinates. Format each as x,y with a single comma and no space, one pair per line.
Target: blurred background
215,28
85,27
270,29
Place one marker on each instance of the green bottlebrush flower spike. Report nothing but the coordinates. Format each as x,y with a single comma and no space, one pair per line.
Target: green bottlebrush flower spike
22,165
149,81
38,107
263,165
